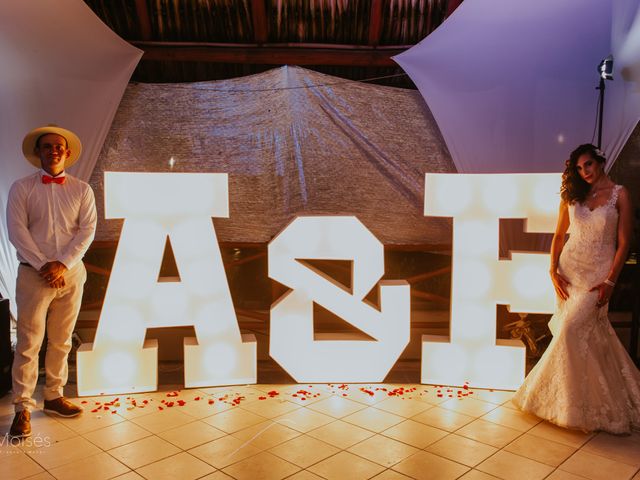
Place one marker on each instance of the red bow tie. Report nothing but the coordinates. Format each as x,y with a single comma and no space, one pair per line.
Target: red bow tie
46,179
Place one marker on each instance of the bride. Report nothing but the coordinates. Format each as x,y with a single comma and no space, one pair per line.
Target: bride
585,380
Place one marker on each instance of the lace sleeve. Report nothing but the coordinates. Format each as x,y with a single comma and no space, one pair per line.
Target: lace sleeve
614,195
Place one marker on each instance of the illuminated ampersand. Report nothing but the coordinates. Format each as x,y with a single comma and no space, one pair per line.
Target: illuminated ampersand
157,206
480,281
334,357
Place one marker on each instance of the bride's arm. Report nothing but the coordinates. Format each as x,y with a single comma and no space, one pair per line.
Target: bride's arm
557,244
623,205
625,222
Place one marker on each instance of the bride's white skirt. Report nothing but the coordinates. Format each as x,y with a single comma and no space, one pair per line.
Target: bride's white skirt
585,380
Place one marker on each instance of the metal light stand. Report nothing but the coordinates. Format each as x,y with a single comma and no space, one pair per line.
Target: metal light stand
605,68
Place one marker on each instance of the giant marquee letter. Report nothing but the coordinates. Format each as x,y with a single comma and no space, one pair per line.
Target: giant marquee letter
156,206
310,357
480,281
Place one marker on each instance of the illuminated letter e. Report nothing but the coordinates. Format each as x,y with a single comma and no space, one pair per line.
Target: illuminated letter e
480,281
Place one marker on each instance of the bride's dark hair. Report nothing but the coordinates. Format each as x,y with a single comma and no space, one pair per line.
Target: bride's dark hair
574,188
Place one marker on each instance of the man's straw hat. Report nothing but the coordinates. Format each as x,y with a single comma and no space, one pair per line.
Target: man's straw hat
29,144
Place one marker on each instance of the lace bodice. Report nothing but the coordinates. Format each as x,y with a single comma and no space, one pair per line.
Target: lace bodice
597,226
586,258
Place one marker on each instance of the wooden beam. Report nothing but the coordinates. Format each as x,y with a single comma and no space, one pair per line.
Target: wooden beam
432,297
95,269
259,17
249,259
297,54
375,23
421,277
144,20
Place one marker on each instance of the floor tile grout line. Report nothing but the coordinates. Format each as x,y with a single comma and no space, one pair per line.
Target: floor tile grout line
117,446
597,455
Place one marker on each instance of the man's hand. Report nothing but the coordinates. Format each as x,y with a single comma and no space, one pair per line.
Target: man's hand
59,283
53,271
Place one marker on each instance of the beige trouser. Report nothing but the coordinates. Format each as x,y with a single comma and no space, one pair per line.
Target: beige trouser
38,305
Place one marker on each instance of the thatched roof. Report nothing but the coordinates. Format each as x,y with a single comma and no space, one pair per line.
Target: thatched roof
196,40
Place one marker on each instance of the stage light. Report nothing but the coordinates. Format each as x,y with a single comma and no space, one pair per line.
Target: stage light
117,366
475,279
545,203
456,203
474,331
530,282
157,206
310,357
605,68
125,320
480,281
499,195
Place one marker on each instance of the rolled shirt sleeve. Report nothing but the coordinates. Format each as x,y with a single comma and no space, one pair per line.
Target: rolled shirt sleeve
87,220
18,227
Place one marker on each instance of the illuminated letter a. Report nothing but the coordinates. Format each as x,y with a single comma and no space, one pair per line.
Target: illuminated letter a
157,206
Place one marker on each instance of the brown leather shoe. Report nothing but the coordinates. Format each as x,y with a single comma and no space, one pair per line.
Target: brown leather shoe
62,407
21,426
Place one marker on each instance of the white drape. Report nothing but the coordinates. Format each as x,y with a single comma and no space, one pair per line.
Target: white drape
58,64
511,83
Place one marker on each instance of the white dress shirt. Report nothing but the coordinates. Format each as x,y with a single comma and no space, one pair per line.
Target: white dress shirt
51,222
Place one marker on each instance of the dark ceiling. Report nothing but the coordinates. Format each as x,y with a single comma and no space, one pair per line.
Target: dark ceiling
197,40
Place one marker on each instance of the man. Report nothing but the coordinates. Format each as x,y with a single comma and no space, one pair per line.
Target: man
51,218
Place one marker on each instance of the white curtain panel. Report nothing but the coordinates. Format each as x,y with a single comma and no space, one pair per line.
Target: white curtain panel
511,83
58,64
626,39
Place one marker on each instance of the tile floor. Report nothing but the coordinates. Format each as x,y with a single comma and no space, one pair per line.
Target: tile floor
305,432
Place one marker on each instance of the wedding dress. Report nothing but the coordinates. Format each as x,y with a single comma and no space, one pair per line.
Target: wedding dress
585,379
